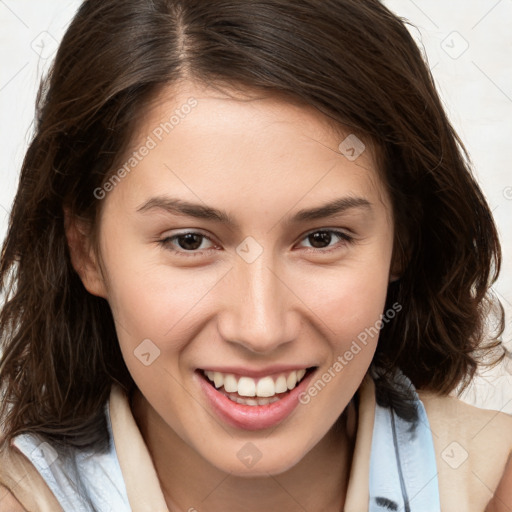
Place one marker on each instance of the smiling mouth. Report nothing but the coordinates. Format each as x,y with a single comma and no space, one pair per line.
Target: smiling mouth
255,392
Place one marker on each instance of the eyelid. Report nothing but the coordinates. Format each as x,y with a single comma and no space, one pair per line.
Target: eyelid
345,237
166,242
341,231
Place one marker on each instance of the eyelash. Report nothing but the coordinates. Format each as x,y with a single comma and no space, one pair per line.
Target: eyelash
166,242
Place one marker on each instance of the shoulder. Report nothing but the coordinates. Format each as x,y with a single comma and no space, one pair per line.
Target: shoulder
451,417
21,486
472,447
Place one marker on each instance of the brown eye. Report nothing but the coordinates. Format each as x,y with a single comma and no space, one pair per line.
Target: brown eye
321,240
187,244
190,241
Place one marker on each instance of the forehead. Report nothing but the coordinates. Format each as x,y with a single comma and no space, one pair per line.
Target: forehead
209,142
231,108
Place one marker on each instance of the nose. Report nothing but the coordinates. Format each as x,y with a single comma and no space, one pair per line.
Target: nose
259,312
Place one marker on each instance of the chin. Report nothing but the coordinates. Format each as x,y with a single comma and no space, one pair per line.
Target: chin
251,461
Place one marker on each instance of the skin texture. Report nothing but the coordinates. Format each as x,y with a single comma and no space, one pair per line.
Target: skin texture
8,503
502,499
261,160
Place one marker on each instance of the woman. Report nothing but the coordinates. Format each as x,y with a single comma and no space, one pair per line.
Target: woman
246,264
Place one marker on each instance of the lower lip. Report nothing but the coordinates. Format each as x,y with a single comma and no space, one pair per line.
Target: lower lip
252,417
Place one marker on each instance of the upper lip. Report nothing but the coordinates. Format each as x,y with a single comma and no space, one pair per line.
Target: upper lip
256,373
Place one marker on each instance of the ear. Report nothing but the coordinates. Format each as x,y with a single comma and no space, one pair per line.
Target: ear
393,277
399,261
396,270
83,257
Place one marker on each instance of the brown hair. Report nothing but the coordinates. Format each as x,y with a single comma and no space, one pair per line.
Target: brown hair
356,63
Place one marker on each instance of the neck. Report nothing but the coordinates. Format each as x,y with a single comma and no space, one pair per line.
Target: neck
190,483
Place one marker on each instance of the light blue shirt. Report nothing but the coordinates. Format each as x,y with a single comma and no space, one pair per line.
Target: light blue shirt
403,469
85,481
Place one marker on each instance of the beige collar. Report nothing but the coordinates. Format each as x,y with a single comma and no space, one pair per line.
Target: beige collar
140,478
358,491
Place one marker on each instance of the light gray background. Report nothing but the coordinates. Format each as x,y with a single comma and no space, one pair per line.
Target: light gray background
468,44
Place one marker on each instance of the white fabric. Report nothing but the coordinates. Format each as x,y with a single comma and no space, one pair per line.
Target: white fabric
99,474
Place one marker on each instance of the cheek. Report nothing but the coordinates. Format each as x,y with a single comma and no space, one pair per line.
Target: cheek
156,301
350,308
347,299
160,303
146,297
349,303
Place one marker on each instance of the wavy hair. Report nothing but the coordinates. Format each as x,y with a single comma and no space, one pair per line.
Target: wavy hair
356,63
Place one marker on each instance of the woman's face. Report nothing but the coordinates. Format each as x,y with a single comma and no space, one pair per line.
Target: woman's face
220,254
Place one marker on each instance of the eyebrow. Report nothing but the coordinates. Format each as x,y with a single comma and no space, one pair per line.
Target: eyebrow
199,211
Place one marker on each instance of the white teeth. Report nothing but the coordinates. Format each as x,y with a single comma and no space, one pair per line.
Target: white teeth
247,386
230,383
281,386
252,401
218,379
291,380
266,387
